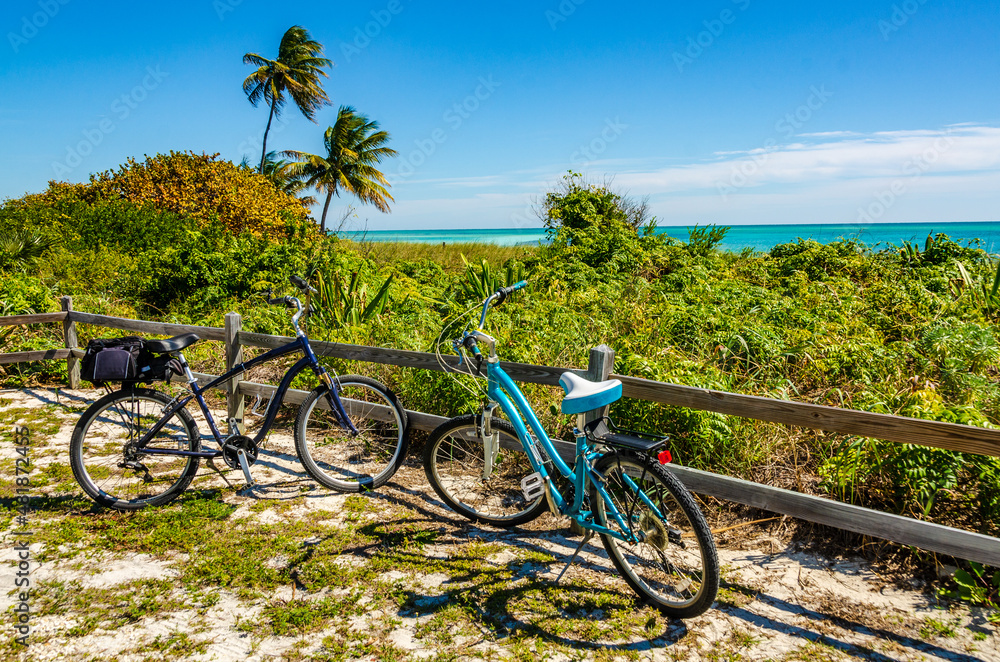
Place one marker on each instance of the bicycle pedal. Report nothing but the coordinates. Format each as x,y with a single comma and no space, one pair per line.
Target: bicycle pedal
532,486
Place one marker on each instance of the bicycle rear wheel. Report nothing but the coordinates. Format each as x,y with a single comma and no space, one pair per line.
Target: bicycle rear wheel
340,461
112,471
455,461
674,566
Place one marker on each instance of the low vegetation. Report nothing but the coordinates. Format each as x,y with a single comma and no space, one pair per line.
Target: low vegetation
908,331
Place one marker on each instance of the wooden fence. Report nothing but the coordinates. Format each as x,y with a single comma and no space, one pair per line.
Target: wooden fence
904,530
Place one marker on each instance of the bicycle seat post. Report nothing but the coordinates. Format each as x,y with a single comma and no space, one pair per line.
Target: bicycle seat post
188,375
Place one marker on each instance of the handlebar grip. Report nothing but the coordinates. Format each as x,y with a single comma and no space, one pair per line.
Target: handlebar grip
281,300
504,292
301,283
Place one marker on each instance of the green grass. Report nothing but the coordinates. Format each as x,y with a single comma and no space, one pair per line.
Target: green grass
297,617
934,627
448,257
42,422
108,608
176,645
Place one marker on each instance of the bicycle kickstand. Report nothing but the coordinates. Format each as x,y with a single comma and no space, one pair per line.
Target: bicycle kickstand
217,470
586,538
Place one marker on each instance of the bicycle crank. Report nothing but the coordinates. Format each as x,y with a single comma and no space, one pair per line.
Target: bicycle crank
233,446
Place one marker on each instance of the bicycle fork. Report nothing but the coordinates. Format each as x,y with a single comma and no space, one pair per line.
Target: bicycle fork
490,439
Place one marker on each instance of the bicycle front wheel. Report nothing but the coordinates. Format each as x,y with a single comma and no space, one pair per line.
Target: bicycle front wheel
340,461
455,463
673,565
109,467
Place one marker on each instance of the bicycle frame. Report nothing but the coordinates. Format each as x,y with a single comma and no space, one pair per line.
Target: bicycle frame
502,391
300,344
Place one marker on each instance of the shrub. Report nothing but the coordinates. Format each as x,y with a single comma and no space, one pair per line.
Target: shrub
21,294
202,187
596,226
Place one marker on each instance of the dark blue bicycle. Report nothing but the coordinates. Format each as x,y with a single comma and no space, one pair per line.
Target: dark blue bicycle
139,447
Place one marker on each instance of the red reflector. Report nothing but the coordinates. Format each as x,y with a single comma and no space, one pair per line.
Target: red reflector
664,457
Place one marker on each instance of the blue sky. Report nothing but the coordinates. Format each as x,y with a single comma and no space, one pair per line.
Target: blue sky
730,111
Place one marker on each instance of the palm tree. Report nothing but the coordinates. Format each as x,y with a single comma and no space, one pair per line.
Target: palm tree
277,172
280,172
21,249
352,148
296,70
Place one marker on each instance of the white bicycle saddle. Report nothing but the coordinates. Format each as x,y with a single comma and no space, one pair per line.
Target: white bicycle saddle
583,395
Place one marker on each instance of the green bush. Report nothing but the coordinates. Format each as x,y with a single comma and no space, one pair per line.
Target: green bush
906,331
21,294
595,226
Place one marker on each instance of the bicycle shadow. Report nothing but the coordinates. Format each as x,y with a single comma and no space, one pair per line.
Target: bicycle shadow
503,620
491,591
55,396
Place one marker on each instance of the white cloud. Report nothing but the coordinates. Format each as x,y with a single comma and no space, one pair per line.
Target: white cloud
948,174
883,154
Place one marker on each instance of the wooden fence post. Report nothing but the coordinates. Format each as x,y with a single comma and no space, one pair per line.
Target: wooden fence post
601,363
234,356
69,336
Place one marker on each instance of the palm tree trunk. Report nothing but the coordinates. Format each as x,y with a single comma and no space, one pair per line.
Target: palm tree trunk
322,223
263,150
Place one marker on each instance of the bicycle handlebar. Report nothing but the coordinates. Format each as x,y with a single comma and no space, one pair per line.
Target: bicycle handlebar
500,296
301,283
468,340
291,302
504,292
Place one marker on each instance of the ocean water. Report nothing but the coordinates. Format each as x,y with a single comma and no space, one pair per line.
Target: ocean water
757,237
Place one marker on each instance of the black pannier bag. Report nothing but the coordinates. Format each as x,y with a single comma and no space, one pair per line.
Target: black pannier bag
112,359
126,360
161,368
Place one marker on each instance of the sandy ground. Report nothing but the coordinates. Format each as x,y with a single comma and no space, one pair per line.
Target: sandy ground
776,604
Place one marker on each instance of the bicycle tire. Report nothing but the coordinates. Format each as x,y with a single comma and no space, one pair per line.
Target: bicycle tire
454,460
99,451
335,459
663,582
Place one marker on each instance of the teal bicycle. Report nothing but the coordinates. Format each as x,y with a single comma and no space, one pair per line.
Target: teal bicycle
507,473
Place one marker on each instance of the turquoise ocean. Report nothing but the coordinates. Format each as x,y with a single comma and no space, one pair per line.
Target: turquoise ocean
757,237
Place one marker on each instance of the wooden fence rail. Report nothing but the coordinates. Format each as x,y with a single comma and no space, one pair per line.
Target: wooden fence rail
904,530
